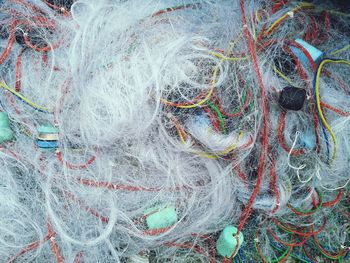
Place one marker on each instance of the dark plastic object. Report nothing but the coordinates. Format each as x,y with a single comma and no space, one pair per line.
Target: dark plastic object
292,98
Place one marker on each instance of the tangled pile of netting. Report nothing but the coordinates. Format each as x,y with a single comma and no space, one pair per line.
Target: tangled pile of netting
174,131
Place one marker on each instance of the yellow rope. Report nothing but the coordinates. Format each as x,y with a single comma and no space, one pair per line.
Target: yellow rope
230,148
340,50
222,153
26,100
218,55
207,155
192,105
318,99
302,5
211,90
283,76
198,103
181,132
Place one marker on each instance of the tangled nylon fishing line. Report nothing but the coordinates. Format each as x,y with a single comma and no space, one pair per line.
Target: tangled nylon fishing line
174,131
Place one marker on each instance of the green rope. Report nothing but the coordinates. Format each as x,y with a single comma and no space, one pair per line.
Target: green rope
221,119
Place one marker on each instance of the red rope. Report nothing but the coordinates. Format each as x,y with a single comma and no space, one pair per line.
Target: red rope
214,121
78,257
335,201
30,247
171,9
18,71
74,166
338,111
86,207
273,184
36,48
154,232
10,42
245,104
240,173
112,186
340,252
264,149
297,232
286,243
54,246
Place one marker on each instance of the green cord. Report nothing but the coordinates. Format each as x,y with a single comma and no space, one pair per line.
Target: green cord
220,115
340,257
284,228
252,105
332,258
311,211
245,92
276,260
292,255
221,119
281,257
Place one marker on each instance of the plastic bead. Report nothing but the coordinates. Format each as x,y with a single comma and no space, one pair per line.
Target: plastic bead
5,129
227,242
161,218
47,129
47,144
47,137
